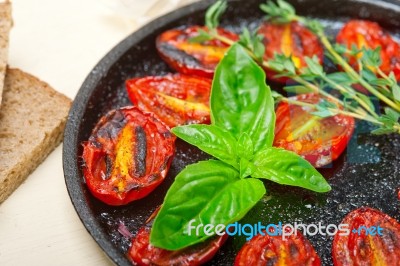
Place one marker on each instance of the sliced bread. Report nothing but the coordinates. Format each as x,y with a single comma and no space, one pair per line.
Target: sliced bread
32,120
5,26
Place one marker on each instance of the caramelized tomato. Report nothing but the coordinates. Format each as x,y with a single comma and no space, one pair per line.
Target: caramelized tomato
127,156
368,34
291,39
142,252
274,250
175,99
318,140
199,59
380,245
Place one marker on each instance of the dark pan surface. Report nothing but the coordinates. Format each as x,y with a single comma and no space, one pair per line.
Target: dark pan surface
367,175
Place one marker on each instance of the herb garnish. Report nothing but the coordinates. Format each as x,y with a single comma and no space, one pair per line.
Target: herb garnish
313,78
240,136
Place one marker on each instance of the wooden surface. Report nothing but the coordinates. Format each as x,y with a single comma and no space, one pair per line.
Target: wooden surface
60,42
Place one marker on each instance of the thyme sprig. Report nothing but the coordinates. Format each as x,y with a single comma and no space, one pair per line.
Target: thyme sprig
313,78
370,59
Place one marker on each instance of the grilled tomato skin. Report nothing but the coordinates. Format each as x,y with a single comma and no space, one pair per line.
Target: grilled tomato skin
368,248
291,39
192,58
368,34
275,251
127,156
176,99
318,140
142,252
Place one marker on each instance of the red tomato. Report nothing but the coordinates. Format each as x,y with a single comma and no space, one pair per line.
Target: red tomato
291,39
371,248
175,99
273,250
318,140
192,58
127,156
142,252
368,34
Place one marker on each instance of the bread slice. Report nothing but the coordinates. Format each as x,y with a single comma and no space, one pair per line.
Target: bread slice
5,26
32,120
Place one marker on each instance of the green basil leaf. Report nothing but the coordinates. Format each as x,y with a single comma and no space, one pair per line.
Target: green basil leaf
245,147
246,168
288,168
240,99
210,192
212,140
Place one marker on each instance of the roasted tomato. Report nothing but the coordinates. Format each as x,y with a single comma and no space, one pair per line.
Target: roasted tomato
291,39
369,34
175,99
127,156
142,252
191,58
374,239
318,140
274,250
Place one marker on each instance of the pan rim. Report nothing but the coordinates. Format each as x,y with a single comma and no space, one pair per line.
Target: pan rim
70,143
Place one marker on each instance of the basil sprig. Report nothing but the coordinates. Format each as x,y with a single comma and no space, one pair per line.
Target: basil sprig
240,136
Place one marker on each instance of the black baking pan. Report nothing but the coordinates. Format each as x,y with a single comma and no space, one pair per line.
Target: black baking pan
368,174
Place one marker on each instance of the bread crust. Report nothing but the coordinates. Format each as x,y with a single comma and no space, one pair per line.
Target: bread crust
32,120
5,26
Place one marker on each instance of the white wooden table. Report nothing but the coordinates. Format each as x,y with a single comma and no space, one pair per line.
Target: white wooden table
60,42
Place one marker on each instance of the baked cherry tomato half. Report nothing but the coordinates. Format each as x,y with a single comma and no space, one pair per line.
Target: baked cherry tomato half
175,99
375,240
187,57
318,140
290,39
127,156
142,252
274,250
368,34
